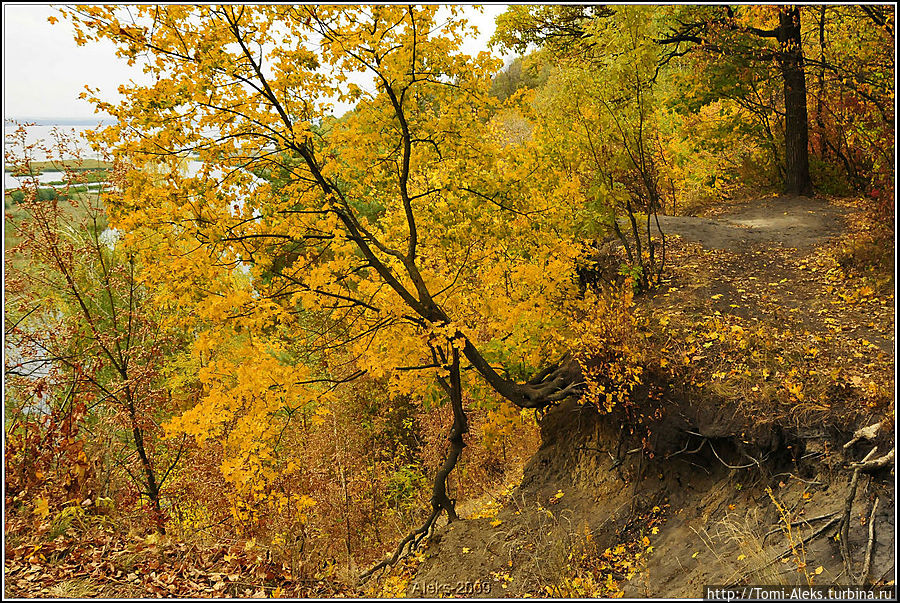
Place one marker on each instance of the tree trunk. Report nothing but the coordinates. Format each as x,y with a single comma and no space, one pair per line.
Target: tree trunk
153,487
797,180
440,500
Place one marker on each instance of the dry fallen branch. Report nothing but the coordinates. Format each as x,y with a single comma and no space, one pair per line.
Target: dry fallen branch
803,542
803,521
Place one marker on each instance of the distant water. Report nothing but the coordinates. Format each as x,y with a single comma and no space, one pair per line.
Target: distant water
46,132
45,178
41,132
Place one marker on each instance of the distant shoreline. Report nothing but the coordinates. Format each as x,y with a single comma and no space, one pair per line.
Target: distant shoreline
76,165
57,121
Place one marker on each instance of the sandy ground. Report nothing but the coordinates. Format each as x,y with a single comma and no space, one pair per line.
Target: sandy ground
767,262
797,222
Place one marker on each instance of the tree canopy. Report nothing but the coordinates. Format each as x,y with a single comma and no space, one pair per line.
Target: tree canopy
397,242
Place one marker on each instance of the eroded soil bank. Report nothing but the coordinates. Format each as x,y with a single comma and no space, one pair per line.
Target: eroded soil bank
715,491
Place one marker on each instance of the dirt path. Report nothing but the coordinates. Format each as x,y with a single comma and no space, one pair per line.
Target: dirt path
798,222
773,261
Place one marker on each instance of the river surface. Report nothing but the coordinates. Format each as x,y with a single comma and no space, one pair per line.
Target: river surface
46,135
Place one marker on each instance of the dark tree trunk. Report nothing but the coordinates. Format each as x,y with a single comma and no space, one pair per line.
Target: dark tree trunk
440,500
153,487
796,125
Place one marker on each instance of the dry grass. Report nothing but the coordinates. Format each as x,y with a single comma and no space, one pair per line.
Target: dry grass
77,588
752,556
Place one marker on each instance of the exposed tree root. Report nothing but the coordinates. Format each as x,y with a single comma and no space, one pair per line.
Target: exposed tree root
410,543
864,433
871,465
845,520
870,547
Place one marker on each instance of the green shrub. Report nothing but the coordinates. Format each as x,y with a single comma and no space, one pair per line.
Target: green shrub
47,194
829,179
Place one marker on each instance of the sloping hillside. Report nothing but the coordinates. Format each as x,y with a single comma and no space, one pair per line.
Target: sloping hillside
740,476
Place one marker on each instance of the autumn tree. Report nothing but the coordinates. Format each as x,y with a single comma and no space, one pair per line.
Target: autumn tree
522,73
831,62
599,113
851,71
747,38
86,339
401,241
743,36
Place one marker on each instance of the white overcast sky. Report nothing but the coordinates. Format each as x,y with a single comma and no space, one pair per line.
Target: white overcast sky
44,71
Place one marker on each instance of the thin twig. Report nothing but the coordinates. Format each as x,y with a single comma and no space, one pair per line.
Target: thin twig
870,547
800,522
800,479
